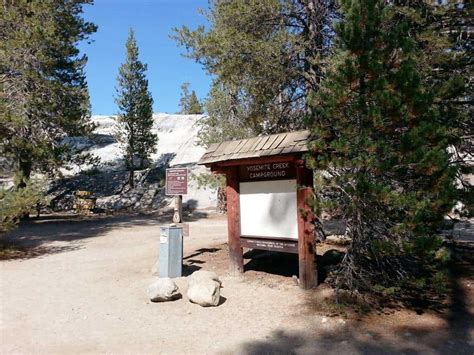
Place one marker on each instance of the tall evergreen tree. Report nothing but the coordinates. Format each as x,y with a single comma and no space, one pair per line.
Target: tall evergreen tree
188,102
184,99
195,107
444,35
266,56
135,119
222,121
383,143
44,95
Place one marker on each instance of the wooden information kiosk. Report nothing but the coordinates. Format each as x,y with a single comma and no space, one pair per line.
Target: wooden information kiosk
268,191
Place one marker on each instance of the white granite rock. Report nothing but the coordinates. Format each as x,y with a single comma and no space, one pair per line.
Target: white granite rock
204,292
162,290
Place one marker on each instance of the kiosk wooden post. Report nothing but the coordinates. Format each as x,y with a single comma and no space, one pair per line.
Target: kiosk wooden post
269,193
306,236
233,221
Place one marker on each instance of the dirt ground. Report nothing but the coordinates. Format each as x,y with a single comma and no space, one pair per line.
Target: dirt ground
78,285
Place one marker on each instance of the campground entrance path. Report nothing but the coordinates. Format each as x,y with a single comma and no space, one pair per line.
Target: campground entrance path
78,285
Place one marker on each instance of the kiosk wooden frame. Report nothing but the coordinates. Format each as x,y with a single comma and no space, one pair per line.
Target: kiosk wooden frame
266,153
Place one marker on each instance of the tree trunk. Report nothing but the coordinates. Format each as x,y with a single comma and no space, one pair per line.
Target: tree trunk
131,176
23,175
24,170
317,12
131,156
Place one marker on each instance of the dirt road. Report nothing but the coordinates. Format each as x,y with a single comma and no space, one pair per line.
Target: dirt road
80,287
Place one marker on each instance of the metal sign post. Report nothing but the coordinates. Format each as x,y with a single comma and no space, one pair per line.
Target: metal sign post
178,209
177,186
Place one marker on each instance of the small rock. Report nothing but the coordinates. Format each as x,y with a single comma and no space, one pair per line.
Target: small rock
203,275
162,290
324,320
205,292
342,321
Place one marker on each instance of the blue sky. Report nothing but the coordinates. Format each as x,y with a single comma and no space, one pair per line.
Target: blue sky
152,21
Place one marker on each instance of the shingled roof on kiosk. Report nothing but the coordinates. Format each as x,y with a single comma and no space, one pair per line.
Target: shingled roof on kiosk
275,144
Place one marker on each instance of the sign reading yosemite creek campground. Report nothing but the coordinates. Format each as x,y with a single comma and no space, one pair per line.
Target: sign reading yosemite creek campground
176,181
267,171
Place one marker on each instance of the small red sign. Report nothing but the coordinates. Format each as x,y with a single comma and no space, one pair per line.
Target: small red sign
176,181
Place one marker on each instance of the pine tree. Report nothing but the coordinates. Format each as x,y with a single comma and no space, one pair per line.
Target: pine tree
444,36
189,103
135,119
195,107
383,144
223,119
184,99
266,54
43,91
16,203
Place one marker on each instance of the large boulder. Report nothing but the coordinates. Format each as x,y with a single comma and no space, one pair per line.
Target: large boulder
204,288
204,292
162,290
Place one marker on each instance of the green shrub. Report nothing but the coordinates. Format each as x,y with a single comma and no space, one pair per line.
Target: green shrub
15,203
441,282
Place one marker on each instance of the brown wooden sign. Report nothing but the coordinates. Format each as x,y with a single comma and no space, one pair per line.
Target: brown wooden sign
176,181
282,245
267,171
250,165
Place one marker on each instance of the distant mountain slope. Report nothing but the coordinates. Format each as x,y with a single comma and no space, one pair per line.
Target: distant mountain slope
177,146
177,135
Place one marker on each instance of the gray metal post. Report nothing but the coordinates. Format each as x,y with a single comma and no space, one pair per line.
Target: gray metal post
171,251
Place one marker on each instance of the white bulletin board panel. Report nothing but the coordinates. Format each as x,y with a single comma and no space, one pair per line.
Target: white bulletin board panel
268,209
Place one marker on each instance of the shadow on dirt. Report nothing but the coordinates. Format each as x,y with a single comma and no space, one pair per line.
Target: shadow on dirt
197,260
51,234
283,264
201,251
353,340
188,269
393,331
